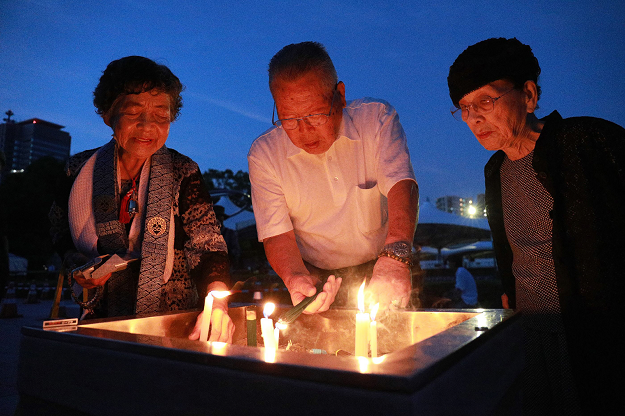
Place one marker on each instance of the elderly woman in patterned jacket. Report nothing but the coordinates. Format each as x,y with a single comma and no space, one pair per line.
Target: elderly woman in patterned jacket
555,192
139,200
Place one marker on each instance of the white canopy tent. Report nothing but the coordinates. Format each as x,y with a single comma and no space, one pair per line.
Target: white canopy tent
441,230
238,217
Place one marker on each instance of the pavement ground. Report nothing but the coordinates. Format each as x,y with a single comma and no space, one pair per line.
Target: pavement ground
32,314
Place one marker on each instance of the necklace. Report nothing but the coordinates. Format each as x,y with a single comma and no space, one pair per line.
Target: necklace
129,205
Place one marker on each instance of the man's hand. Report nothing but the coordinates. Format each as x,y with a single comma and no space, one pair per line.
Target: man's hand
390,284
303,286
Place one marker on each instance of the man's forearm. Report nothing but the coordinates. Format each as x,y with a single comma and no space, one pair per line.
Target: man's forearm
284,256
403,211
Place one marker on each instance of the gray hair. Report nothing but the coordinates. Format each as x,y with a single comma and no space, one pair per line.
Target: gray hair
297,59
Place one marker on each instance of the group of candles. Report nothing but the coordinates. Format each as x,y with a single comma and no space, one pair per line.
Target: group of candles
271,335
366,327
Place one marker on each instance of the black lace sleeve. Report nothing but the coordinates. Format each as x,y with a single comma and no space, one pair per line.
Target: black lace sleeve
205,248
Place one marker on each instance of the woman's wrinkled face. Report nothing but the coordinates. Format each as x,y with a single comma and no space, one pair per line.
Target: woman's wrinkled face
502,127
141,123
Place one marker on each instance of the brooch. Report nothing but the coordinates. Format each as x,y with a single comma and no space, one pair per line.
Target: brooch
156,226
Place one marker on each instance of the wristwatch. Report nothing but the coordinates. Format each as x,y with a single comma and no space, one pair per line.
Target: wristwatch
399,250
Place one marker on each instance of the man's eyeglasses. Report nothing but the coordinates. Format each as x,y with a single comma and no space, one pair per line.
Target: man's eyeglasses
483,105
313,120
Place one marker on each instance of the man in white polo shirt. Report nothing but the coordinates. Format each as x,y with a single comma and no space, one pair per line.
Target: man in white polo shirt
333,189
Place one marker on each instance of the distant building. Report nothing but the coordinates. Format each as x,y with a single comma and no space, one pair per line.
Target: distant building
481,205
465,207
452,204
26,141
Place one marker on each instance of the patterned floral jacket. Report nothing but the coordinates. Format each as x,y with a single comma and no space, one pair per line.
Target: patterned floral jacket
200,250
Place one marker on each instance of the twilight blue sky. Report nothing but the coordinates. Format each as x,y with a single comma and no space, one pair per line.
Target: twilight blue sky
52,53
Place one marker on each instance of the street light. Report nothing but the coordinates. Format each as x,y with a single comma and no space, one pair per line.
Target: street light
471,211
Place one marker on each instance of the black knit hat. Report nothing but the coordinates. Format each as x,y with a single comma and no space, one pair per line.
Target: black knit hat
488,61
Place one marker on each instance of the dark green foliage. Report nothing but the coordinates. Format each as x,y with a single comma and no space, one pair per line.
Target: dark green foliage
226,179
25,200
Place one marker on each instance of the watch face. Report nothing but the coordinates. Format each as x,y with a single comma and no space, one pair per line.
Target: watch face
399,248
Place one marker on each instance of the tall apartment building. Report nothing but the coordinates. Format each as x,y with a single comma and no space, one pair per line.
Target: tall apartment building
26,141
466,207
480,206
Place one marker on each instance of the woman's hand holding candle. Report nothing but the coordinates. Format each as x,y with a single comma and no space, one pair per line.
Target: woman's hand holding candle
222,327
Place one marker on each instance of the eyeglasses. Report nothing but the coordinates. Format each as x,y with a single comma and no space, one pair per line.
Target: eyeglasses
483,105
313,120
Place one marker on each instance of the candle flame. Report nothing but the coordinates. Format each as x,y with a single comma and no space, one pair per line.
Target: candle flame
268,309
374,311
220,293
361,297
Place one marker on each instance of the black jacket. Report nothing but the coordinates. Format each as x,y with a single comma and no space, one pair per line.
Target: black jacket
581,163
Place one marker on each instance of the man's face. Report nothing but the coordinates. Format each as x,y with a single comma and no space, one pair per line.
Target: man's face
306,96
141,124
503,127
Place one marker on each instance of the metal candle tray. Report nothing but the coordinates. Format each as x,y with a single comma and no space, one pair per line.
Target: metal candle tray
434,361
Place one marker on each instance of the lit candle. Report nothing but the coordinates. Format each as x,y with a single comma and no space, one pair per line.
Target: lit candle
373,331
270,355
266,326
279,326
206,317
208,311
362,325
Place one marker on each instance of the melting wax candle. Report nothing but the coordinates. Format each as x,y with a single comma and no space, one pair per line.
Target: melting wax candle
266,326
206,317
208,311
279,327
362,325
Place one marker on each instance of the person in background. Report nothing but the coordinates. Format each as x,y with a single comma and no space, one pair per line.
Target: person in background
465,285
141,200
333,189
555,192
464,293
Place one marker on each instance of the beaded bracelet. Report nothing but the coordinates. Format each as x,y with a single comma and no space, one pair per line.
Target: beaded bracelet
404,260
91,303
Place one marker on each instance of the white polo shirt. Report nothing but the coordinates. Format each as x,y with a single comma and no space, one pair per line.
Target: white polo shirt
335,202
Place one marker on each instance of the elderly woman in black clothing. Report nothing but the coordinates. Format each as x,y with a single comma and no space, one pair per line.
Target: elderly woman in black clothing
555,192
136,198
